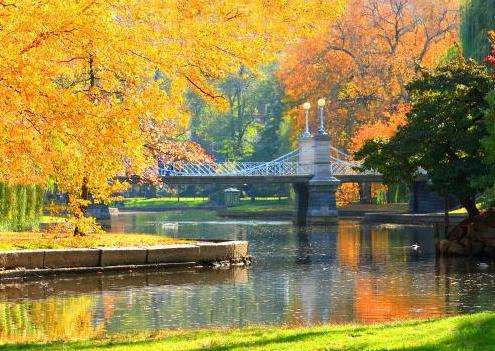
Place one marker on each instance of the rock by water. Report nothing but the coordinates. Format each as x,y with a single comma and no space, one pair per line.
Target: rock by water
474,237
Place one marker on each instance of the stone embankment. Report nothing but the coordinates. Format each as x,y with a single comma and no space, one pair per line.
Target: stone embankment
474,237
36,262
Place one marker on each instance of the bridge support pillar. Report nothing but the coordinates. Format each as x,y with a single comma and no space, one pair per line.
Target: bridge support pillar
425,200
365,197
306,162
322,205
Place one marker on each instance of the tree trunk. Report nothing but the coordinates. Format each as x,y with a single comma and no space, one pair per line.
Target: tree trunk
82,208
446,216
470,205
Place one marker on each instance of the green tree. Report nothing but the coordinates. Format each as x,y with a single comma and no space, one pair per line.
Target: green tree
272,139
488,197
251,128
478,18
443,135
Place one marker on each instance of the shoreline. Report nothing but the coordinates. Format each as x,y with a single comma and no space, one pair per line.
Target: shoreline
33,263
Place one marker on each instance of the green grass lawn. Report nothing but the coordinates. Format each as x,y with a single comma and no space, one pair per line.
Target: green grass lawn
470,332
164,202
260,205
462,210
263,204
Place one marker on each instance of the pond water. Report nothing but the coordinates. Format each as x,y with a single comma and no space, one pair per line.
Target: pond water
348,272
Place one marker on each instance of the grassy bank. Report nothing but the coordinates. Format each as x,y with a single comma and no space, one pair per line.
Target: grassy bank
470,332
262,205
39,240
139,202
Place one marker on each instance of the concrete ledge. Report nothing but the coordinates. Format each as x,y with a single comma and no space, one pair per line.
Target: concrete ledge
68,258
227,251
174,253
116,256
22,259
14,263
411,218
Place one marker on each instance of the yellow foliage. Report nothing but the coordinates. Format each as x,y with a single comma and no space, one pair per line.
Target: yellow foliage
87,85
59,239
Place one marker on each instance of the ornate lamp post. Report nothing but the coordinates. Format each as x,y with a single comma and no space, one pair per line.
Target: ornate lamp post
321,107
307,107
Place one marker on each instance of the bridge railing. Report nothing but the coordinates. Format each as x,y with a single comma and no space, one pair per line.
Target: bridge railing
230,169
286,165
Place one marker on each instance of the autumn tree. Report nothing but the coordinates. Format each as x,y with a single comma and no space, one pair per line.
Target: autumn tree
382,129
366,58
443,134
81,98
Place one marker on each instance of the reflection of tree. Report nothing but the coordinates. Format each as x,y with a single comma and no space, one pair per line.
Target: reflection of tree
52,319
392,297
349,245
379,245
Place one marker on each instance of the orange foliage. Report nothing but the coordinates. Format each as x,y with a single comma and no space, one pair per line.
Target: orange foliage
363,62
347,193
382,129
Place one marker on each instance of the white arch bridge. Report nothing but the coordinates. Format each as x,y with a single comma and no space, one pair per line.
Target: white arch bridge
315,170
286,168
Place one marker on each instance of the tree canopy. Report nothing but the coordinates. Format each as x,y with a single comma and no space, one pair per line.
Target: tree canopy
366,58
93,89
250,128
443,133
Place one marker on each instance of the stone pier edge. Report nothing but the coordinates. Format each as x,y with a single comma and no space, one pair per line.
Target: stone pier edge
25,263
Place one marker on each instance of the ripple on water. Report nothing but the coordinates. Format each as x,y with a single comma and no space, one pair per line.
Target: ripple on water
348,272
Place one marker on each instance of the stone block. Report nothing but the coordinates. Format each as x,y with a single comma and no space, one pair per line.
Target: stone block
322,206
241,249
486,233
456,249
476,248
489,251
214,252
123,256
173,254
223,251
68,258
22,259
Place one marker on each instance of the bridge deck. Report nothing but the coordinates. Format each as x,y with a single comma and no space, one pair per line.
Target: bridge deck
280,179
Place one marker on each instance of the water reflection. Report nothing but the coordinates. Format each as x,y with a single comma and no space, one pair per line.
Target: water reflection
344,273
